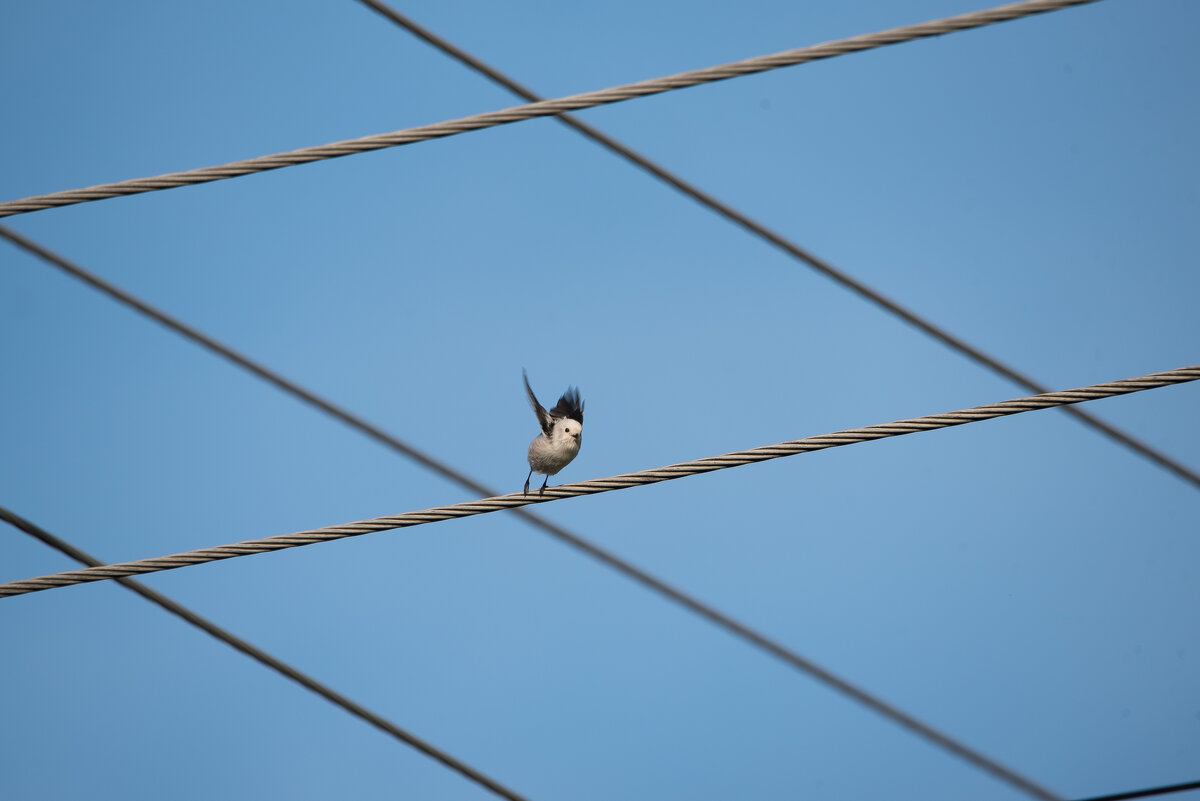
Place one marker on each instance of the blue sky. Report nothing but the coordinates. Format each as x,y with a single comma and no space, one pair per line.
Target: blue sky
1024,585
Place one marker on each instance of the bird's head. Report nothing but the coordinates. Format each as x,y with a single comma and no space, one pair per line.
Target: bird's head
570,428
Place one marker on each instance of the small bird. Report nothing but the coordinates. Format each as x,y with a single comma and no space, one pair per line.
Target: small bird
562,434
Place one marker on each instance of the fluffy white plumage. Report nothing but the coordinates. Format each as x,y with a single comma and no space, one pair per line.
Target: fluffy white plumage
561,437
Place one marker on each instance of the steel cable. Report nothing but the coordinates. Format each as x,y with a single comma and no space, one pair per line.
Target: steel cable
1148,792
599,485
544,108
787,246
647,580
261,656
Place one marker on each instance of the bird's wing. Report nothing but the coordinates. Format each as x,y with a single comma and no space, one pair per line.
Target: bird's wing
542,416
569,405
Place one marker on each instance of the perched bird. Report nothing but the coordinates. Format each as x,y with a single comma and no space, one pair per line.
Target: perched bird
562,434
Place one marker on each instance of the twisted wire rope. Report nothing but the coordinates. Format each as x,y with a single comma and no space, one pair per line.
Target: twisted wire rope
629,570
598,485
264,658
544,108
781,242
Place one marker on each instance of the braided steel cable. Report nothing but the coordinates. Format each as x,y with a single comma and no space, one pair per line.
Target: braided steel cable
778,240
545,108
637,574
599,485
261,656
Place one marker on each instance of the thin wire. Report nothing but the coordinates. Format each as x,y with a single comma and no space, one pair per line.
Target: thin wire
545,108
1147,793
647,580
784,244
600,485
261,656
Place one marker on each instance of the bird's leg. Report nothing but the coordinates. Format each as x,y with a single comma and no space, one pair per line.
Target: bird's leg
526,490
542,491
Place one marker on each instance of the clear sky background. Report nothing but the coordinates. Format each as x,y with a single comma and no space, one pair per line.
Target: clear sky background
1024,585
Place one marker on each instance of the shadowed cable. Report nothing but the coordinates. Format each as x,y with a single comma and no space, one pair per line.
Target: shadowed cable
261,656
